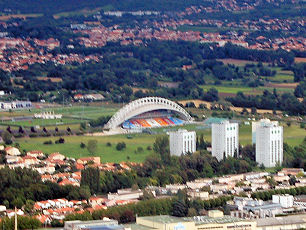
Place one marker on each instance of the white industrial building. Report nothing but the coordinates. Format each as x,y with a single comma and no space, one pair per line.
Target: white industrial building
285,200
15,105
269,143
225,139
255,124
182,142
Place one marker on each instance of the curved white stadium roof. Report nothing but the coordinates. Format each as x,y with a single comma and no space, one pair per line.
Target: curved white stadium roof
143,105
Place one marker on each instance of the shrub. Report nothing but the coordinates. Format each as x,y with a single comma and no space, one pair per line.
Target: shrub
60,141
108,144
18,135
33,135
82,145
49,142
120,146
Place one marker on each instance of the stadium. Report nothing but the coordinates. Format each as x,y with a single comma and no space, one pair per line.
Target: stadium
149,112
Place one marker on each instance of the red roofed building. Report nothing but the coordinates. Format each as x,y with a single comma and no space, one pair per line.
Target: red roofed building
86,160
56,156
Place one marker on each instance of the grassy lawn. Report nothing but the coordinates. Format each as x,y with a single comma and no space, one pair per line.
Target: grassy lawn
43,122
282,77
234,89
71,147
293,135
87,112
231,89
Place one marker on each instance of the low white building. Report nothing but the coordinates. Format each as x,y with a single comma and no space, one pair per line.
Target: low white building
174,188
15,105
182,142
125,194
285,200
225,139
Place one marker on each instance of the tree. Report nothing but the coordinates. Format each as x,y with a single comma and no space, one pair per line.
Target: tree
192,212
127,217
92,146
180,209
90,178
7,137
292,180
18,202
24,222
135,187
28,208
83,126
161,147
120,146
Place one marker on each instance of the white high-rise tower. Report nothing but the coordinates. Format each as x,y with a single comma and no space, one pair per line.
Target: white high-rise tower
255,124
182,142
225,139
269,144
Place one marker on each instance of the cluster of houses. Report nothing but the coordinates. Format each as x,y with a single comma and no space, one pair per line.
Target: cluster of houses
57,209
203,188
19,53
235,184
46,165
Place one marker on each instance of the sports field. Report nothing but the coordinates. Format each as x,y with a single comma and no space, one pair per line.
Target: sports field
43,122
71,115
71,148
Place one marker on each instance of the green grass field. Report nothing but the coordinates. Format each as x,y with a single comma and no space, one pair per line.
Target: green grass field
43,122
72,115
71,147
234,89
293,135
207,29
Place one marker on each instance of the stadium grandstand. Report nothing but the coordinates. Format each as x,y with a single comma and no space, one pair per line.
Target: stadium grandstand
149,112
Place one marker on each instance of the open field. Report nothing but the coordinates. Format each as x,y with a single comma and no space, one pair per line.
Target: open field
282,78
86,112
232,90
293,135
84,12
237,62
43,122
22,16
71,147
233,108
